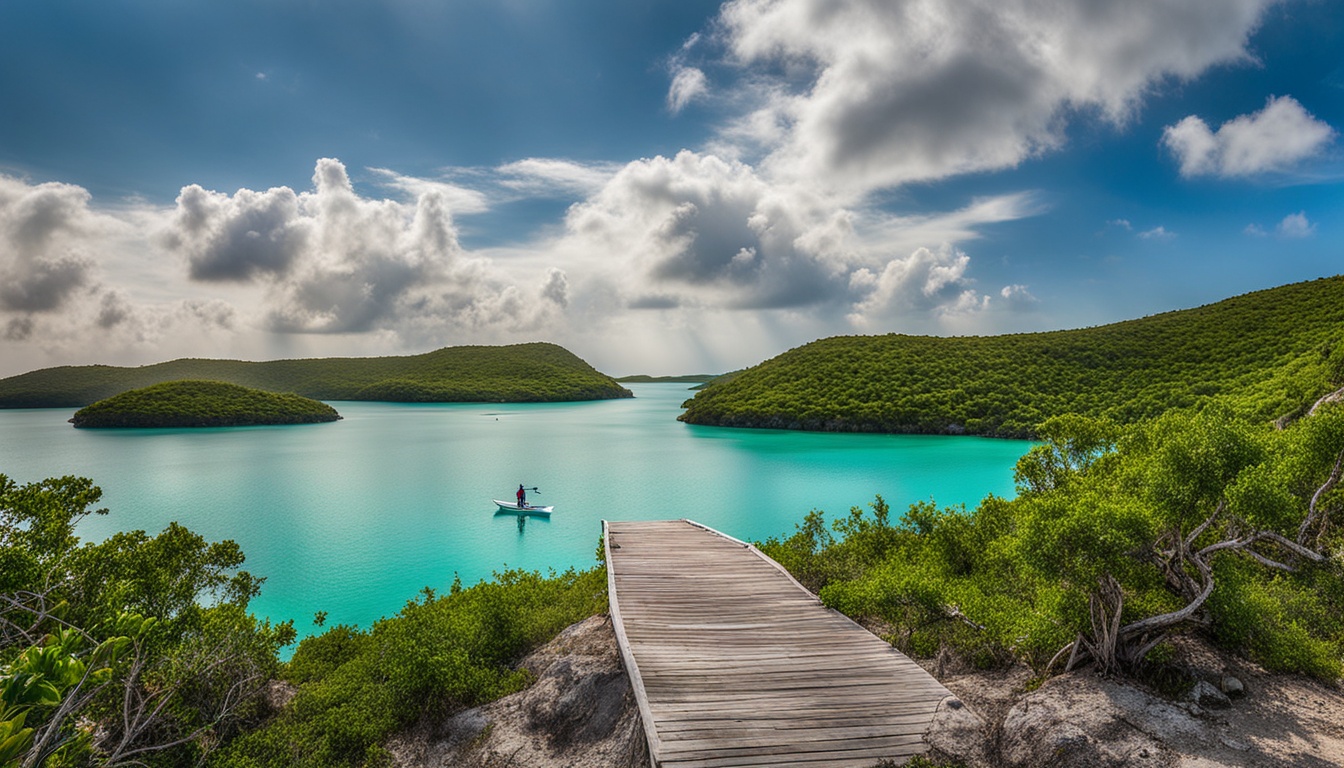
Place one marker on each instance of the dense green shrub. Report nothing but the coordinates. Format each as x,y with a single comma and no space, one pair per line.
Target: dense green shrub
190,665
1096,527
356,688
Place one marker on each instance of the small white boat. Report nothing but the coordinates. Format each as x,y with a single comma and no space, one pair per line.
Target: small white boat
530,509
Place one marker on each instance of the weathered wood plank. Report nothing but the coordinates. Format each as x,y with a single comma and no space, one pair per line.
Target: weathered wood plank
735,664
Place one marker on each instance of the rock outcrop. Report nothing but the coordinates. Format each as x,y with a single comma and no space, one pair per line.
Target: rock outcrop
579,713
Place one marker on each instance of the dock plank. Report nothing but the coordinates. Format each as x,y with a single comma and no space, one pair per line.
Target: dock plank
735,664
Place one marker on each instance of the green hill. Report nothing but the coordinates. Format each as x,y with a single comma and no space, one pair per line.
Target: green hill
518,373
1265,352
202,404
690,378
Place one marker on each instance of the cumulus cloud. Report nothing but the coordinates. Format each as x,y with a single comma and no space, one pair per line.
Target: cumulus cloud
238,237
867,94
1158,233
44,233
333,261
704,230
700,232
1277,138
1296,225
928,279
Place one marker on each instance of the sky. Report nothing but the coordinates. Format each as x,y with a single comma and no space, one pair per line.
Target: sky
662,187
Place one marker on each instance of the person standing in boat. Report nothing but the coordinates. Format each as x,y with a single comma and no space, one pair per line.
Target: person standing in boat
522,496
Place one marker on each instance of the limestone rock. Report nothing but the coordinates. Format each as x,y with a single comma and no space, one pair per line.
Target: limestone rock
1083,721
579,713
1205,694
958,733
1232,686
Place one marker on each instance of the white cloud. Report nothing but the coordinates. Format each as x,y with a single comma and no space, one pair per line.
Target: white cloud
1296,225
538,176
701,230
868,94
688,84
697,233
46,232
1016,298
460,200
333,261
926,280
1255,230
237,237
1157,233
1277,138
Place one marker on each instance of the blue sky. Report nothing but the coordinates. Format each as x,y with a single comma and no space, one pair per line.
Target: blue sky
662,187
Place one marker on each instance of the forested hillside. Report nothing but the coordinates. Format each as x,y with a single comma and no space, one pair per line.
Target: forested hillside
1272,350
202,404
517,373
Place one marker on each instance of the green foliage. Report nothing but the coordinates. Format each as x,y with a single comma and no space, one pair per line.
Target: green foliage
189,674
1016,578
1270,351
441,654
34,685
202,404
518,373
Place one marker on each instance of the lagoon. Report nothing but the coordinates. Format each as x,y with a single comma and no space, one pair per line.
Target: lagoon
355,517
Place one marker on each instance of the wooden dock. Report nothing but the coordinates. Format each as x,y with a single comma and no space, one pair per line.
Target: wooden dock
734,663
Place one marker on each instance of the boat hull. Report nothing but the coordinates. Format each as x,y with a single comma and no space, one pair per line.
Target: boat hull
509,506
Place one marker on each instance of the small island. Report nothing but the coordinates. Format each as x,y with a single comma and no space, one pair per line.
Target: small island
201,404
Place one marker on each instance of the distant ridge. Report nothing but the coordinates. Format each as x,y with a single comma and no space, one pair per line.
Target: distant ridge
536,372
1263,353
690,378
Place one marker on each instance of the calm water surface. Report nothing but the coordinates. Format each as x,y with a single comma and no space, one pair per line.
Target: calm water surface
356,516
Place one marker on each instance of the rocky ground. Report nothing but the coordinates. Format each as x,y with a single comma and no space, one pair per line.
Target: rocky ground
580,713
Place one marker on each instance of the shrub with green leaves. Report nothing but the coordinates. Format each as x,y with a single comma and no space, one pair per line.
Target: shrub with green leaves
357,688
160,690
1119,537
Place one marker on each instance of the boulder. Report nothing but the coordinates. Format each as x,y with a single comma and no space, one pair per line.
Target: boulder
1207,695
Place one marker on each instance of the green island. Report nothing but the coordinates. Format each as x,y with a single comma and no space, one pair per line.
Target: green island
537,372
690,378
201,404
1127,537
1253,346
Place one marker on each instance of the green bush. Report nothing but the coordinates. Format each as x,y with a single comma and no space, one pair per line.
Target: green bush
1019,578
355,689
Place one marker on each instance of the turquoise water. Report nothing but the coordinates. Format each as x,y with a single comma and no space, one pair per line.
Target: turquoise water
356,516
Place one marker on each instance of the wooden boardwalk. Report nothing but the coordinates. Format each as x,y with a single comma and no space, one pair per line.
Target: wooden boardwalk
736,664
